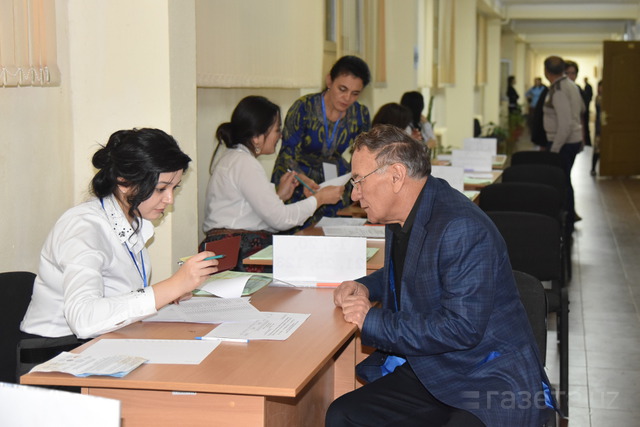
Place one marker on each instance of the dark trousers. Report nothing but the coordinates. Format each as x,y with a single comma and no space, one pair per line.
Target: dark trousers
397,399
568,154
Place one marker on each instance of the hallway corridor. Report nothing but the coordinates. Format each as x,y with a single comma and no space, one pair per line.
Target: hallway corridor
604,371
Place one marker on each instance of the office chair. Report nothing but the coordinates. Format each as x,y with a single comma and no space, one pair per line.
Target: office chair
534,300
15,294
547,175
522,197
528,197
536,157
534,243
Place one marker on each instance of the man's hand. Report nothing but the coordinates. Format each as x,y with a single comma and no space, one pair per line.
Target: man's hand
353,297
349,288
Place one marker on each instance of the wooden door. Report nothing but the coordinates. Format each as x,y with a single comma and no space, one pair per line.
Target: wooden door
620,135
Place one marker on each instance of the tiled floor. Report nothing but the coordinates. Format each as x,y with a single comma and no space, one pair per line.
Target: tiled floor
604,340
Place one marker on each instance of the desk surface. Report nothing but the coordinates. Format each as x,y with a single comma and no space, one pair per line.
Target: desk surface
267,368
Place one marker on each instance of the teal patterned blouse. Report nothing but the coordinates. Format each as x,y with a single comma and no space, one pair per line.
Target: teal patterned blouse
305,147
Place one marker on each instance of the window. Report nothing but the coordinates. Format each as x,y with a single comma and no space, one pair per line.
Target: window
27,43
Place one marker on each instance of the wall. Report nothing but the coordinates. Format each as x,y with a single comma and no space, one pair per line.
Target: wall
36,161
123,64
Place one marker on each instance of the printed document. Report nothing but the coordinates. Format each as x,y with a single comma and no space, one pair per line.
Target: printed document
273,326
206,310
83,365
183,352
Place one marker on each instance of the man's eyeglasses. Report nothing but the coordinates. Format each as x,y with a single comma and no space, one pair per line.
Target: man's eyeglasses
358,181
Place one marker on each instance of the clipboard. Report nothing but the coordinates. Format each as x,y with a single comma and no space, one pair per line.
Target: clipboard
230,247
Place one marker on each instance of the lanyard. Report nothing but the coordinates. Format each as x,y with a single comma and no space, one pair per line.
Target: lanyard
326,125
143,272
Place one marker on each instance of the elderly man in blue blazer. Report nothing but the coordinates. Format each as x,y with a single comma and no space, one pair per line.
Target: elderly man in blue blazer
454,345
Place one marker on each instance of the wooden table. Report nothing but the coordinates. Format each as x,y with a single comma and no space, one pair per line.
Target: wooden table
260,383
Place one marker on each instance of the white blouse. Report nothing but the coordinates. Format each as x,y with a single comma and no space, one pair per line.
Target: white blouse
88,283
239,196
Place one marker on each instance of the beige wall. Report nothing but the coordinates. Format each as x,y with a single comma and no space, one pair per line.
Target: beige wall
123,64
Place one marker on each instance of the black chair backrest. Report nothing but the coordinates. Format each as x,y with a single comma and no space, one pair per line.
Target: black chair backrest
522,197
536,157
534,300
537,174
534,242
15,294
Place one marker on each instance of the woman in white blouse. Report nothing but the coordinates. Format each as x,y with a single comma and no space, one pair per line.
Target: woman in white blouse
240,199
94,272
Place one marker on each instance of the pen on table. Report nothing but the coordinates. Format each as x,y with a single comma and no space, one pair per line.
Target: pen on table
223,339
182,260
302,182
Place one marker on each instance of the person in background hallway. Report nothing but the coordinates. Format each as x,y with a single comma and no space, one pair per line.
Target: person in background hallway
512,95
587,96
240,200
563,109
571,70
596,140
320,127
534,94
422,129
454,344
94,274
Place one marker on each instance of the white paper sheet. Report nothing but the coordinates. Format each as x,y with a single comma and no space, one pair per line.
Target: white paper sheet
30,406
318,260
326,221
330,171
472,161
206,310
481,144
368,231
182,352
452,174
339,180
274,326
226,288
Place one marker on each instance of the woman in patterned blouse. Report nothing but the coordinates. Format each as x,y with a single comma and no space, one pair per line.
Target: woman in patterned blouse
320,127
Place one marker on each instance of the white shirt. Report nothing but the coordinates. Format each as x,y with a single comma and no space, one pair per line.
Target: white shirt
87,282
239,196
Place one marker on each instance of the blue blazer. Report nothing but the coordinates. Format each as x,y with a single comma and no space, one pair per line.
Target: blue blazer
461,325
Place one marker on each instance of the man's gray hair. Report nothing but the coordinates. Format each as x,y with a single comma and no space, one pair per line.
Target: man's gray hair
393,145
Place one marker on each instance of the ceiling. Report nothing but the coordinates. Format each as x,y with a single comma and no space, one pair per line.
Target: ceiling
570,25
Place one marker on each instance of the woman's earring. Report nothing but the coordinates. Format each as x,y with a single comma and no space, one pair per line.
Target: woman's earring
257,150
